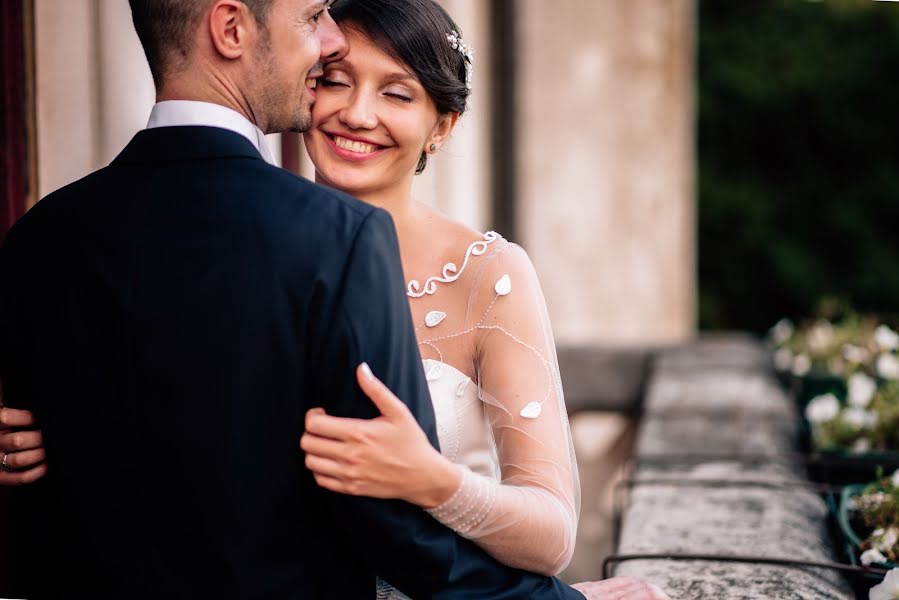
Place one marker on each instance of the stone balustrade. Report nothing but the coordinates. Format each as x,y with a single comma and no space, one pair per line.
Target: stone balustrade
715,472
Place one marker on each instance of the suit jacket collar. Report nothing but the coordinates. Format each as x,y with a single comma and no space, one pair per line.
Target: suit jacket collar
187,143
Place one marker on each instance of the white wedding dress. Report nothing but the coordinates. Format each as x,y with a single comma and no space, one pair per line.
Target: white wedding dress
490,362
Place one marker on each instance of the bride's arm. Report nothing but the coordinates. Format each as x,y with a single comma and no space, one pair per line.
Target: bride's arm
530,519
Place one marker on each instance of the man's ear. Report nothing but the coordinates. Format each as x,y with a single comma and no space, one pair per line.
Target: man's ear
231,27
442,130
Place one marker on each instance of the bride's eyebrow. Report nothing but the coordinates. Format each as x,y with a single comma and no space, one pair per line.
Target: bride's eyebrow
398,77
339,64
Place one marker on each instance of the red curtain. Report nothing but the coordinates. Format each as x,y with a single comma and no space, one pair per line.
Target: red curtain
13,166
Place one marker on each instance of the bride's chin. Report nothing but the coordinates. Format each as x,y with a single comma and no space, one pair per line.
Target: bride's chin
347,184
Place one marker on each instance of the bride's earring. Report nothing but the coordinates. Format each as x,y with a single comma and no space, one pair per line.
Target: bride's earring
433,148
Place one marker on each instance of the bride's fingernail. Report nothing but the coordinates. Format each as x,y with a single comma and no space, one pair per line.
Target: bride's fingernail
366,370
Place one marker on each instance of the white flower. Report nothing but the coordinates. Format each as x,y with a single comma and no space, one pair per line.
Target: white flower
886,338
862,444
822,409
888,589
861,390
860,418
855,354
872,555
783,359
782,331
876,499
820,337
802,364
889,539
895,478
888,366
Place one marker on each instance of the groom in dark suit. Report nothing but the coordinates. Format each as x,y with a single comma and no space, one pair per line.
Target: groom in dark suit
170,319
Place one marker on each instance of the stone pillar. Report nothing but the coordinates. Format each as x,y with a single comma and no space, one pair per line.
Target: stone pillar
458,178
94,89
125,86
66,91
606,166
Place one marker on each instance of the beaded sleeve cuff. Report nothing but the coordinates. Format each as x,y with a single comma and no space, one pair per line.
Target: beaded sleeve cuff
466,509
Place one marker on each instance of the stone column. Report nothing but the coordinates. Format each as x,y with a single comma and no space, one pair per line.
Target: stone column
126,93
66,91
458,178
94,89
606,166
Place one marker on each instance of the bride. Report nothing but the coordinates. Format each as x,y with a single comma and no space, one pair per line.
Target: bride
506,475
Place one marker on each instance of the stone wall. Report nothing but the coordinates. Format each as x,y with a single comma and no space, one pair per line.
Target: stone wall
716,455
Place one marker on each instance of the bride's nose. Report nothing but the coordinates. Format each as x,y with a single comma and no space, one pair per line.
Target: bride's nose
359,113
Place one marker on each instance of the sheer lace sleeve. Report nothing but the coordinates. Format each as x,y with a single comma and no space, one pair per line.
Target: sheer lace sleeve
528,519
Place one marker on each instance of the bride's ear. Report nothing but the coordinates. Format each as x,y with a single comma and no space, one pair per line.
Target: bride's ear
442,130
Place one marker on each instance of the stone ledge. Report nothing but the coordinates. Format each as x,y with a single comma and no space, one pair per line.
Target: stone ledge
713,398
608,379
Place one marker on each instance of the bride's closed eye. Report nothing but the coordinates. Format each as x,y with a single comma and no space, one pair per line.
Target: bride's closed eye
402,97
335,78
330,82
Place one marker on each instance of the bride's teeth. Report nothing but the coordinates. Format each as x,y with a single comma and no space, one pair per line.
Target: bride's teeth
353,146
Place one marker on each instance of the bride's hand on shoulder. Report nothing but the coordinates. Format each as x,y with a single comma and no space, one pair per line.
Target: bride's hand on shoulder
385,457
21,447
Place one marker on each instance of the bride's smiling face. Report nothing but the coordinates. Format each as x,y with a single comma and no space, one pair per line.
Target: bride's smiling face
371,121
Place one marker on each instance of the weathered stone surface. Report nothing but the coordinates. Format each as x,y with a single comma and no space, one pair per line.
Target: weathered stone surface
691,580
735,351
687,434
715,472
741,520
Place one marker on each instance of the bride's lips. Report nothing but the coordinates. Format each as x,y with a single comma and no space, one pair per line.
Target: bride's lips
353,149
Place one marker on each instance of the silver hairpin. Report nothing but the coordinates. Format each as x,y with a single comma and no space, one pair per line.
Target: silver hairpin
457,43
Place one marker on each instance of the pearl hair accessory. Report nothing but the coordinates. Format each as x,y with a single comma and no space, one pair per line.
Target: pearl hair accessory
458,44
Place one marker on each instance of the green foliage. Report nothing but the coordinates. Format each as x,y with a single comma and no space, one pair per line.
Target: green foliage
841,433
798,158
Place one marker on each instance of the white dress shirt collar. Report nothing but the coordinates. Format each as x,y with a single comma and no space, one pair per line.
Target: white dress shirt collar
180,113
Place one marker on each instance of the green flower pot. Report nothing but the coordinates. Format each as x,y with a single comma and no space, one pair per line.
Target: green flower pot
853,539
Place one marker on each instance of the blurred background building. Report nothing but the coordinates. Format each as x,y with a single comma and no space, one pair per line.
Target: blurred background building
578,144
668,165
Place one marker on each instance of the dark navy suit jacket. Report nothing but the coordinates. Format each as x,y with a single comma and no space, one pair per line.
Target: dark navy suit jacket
170,319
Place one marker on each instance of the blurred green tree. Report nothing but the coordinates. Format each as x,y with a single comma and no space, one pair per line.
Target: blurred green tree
798,148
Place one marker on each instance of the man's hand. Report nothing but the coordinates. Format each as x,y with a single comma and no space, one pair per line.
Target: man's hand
22,453
620,588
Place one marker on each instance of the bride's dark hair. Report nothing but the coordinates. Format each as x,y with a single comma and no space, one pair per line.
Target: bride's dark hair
413,32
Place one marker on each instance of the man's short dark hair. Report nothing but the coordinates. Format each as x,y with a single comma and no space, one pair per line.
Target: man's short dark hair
165,29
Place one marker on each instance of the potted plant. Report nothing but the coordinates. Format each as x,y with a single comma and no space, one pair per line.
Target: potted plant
852,434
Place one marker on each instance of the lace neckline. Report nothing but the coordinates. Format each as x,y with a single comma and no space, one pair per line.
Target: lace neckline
450,272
